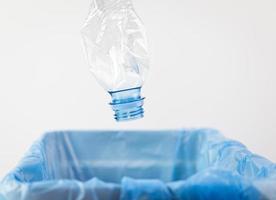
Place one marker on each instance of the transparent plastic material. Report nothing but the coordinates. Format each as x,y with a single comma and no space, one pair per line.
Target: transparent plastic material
116,46
127,104
192,164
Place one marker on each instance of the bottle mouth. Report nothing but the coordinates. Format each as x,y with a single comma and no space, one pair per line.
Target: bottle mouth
127,104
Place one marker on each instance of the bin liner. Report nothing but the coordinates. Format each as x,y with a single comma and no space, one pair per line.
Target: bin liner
126,165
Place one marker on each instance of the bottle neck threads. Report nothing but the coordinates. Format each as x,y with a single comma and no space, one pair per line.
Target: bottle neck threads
127,104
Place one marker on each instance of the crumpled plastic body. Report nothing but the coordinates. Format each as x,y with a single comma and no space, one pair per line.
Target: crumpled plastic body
132,165
116,45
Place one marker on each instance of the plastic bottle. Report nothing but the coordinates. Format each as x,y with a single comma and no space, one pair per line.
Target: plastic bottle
116,48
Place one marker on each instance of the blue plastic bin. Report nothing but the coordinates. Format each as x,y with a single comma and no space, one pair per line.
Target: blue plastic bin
126,165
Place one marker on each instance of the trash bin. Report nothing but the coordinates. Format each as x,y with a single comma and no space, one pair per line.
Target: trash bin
126,165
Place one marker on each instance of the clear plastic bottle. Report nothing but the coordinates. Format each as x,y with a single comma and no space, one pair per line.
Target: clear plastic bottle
116,48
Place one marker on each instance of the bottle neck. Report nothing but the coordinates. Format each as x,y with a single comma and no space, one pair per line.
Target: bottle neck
127,104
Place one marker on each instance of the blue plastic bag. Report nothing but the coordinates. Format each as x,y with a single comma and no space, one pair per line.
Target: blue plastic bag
126,165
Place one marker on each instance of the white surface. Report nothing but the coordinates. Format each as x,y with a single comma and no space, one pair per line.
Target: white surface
213,65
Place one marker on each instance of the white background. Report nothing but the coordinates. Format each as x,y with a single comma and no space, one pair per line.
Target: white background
213,65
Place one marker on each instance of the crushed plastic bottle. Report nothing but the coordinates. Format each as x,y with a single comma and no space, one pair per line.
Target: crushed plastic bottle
117,51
